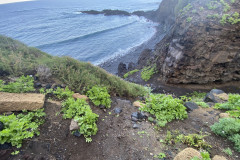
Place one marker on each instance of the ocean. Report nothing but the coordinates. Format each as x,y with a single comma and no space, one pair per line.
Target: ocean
60,29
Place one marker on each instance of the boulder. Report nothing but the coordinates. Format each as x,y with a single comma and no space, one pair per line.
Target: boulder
191,106
18,102
122,69
217,157
138,104
216,96
187,154
224,115
79,96
117,110
74,125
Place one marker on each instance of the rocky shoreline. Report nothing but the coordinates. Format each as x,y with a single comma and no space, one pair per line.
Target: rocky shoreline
132,56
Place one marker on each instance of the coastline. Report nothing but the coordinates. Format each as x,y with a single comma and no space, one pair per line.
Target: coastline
12,1
111,65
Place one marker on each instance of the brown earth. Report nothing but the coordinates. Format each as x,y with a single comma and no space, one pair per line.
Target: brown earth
116,138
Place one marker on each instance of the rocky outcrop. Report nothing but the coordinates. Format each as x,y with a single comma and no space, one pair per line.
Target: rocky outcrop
18,102
108,12
198,49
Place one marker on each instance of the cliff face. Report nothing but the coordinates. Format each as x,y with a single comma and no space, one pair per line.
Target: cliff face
198,48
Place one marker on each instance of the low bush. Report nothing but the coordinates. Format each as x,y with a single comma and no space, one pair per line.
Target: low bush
20,127
99,96
147,72
230,129
193,140
81,112
130,73
165,108
21,85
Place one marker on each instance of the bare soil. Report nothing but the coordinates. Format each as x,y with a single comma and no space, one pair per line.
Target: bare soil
116,138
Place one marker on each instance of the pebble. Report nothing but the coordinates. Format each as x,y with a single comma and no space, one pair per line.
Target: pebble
136,126
48,86
77,133
1,126
117,110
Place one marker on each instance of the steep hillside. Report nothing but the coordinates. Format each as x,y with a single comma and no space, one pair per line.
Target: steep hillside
202,46
17,59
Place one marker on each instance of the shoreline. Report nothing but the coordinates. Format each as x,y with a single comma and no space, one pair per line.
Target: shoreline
13,1
111,65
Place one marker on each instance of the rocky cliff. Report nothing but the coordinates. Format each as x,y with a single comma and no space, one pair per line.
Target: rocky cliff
203,44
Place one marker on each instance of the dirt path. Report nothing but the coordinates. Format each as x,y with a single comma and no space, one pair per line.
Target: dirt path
116,138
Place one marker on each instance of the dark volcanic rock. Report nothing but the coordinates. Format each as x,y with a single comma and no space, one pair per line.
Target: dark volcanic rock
117,110
5,146
1,126
122,69
77,133
136,126
191,106
212,96
131,66
199,51
108,12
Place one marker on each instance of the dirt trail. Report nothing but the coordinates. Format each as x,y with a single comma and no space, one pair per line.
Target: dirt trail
116,138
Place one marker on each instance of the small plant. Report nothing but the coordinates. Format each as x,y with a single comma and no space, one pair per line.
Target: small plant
21,85
214,16
165,108
226,6
100,96
194,11
202,104
193,140
230,129
81,112
43,72
63,93
189,19
15,153
160,156
130,73
20,127
201,9
212,5
228,151
147,72
204,156
232,104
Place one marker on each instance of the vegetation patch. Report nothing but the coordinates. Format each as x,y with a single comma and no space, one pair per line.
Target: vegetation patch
99,96
20,127
147,72
21,85
230,129
165,108
81,112
130,73
193,140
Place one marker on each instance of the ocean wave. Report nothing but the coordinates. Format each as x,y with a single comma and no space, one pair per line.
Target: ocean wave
75,39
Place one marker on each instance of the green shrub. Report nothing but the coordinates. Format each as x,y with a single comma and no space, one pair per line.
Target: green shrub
130,73
233,103
20,127
228,151
224,19
63,93
165,108
82,113
21,85
147,72
201,8
189,19
193,140
214,16
230,129
99,96
225,5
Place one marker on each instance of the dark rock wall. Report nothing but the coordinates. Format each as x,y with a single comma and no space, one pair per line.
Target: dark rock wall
200,51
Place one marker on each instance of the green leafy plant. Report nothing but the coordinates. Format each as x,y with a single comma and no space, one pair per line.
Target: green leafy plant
226,6
189,19
20,127
202,104
160,156
230,129
232,104
82,113
228,151
193,140
15,152
130,73
165,108
147,72
201,9
204,156
21,85
99,96
62,93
